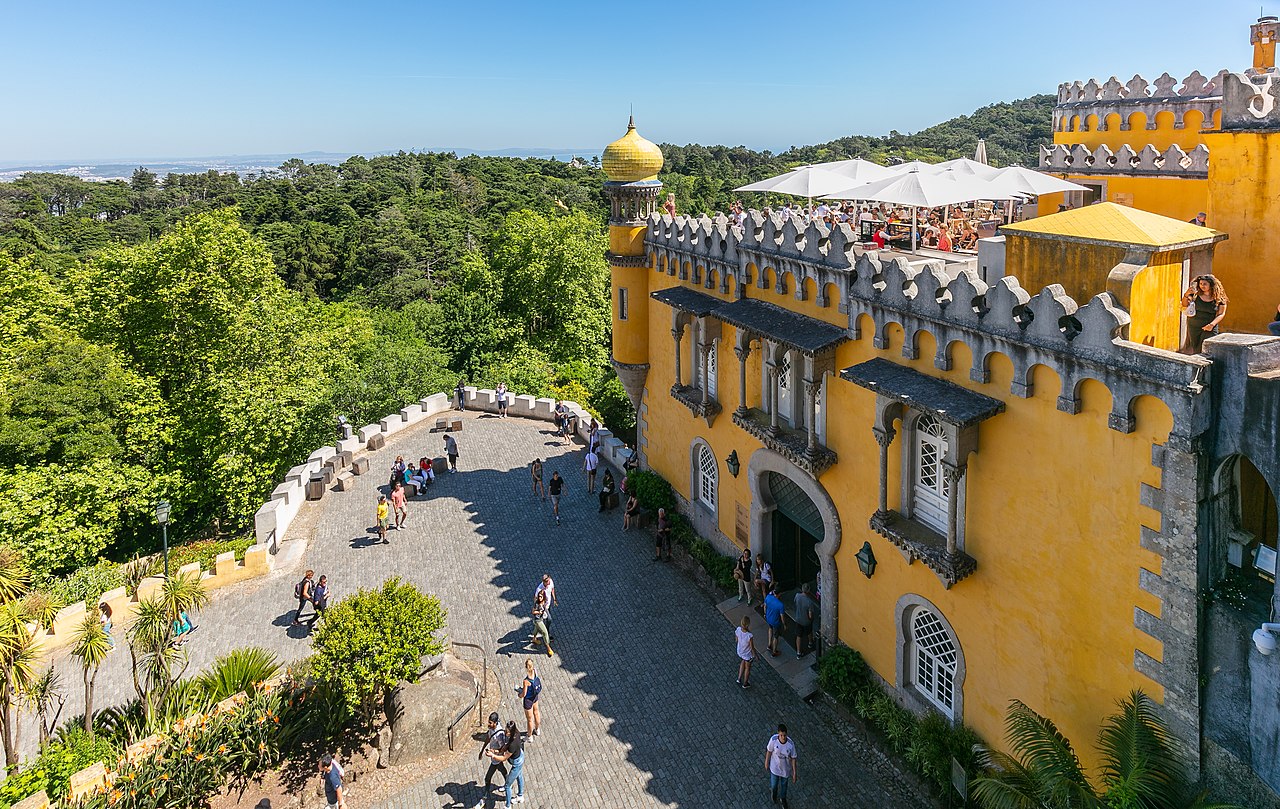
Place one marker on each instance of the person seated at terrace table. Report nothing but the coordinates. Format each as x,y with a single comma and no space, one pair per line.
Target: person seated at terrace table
968,238
930,237
944,240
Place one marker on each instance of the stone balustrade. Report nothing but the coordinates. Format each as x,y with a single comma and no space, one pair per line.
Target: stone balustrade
1080,159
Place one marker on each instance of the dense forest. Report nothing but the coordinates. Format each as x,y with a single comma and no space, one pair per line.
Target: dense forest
191,337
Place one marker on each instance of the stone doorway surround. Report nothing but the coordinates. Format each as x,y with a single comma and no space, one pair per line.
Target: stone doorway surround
763,505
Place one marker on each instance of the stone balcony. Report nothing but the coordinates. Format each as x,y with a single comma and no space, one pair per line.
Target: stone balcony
917,541
691,397
791,444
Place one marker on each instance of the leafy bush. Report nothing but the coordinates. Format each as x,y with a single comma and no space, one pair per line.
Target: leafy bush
371,640
55,765
205,551
652,490
88,583
927,743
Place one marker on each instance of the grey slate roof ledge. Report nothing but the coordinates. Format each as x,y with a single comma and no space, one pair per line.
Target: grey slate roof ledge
805,334
698,304
944,400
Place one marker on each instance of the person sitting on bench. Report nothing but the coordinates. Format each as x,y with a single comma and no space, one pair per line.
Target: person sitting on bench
606,490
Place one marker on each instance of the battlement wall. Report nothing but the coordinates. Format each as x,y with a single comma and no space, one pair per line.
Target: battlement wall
1080,159
1093,107
1048,328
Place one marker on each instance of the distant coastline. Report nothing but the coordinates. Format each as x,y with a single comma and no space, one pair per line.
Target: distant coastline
122,169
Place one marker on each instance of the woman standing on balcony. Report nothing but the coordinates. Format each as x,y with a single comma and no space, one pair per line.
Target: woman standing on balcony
1205,305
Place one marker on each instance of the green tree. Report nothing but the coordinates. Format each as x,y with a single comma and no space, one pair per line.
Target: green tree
371,640
90,646
40,696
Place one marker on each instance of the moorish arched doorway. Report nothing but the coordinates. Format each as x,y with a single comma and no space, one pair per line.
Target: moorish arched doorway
795,525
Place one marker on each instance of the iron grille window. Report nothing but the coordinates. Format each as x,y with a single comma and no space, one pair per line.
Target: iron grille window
935,660
707,475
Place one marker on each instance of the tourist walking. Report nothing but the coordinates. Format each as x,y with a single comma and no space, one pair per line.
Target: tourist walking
554,487
593,436
607,488
590,462
384,517
540,632
742,574
399,504
806,610
1206,305
451,449
495,741
104,615
535,472
332,775
303,592
513,754
662,537
547,587
746,650
319,601
530,694
460,394
502,394
780,763
775,616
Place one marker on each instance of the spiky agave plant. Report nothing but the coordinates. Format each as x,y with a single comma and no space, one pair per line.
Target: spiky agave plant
239,670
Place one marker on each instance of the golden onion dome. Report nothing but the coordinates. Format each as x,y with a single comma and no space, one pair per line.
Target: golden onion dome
631,158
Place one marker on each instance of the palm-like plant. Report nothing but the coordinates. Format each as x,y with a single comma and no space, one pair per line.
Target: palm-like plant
1139,770
157,660
40,697
240,670
91,646
42,608
19,659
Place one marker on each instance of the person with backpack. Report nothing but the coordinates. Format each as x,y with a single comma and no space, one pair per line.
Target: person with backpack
540,633
495,741
591,462
303,592
333,791
319,600
530,693
513,754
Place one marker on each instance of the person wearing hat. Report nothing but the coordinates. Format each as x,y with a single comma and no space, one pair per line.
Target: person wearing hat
495,739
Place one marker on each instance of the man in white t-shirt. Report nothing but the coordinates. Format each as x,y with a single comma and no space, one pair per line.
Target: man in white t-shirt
590,463
780,761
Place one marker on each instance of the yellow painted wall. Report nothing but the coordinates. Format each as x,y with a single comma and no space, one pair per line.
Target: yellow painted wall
1178,198
626,240
1048,617
1244,201
631,337
1155,302
1081,269
1137,136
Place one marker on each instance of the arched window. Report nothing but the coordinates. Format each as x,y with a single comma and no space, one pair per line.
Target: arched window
934,659
784,386
712,368
931,488
708,473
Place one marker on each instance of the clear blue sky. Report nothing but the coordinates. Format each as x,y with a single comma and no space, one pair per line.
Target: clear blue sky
94,80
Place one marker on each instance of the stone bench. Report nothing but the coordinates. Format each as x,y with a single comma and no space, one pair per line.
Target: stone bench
315,488
360,466
346,481
411,489
441,424
440,466
611,502
376,442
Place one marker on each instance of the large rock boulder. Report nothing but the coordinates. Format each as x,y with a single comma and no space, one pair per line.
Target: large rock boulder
421,712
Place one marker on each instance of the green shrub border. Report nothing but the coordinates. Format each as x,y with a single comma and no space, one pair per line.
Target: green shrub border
654,492
927,743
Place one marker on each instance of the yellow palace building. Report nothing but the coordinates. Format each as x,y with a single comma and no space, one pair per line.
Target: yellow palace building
1010,488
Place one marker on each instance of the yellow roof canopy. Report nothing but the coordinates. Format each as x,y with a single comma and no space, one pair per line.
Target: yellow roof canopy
1109,223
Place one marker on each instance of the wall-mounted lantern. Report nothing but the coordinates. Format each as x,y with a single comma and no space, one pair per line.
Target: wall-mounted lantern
866,560
735,466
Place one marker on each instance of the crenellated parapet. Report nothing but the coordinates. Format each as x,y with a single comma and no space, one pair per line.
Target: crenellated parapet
1048,329
1148,161
1086,106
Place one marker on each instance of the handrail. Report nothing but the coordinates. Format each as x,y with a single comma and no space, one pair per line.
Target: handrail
482,688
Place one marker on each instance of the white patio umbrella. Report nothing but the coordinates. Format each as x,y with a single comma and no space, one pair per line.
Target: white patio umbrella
980,154
963,165
858,169
920,189
915,165
806,181
1027,182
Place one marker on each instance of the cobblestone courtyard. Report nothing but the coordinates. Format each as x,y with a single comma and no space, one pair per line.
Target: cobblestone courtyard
640,708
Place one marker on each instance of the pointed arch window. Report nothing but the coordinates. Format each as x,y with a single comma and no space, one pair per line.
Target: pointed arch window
785,386
934,661
712,369
931,489
708,476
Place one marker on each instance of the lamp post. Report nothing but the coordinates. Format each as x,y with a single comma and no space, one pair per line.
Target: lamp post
162,517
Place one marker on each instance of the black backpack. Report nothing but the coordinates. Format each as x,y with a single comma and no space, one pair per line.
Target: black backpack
299,588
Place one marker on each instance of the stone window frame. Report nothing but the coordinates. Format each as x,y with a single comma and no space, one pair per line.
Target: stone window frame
698,449
925,502
957,446
711,369
792,405
905,612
